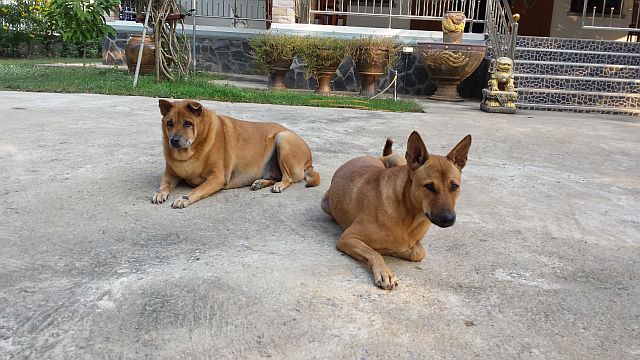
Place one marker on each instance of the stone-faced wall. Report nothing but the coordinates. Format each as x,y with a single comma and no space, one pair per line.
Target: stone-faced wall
113,49
234,56
224,55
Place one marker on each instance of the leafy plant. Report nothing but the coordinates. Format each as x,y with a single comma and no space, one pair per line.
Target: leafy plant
375,51
81,21
321,53
269,50
22,25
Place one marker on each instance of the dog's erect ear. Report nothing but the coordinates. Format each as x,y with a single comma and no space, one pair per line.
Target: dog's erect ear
459,153
165,106
416,151
195,107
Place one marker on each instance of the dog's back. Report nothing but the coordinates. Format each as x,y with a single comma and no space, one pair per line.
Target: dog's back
355,170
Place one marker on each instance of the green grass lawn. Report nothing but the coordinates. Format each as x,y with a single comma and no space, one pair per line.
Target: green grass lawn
26,75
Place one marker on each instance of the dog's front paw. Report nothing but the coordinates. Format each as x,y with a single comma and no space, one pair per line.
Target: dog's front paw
159,197
181,202
384,278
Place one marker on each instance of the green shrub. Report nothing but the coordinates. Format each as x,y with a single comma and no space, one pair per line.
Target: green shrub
367,49
269,49
321,53
23,24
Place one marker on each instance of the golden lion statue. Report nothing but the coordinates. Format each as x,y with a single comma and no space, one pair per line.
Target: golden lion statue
453,23
502,75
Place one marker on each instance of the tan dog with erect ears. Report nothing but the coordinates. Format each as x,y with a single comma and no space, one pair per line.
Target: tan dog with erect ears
385,206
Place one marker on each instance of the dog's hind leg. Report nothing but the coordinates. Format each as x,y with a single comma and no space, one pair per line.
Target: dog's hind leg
262,183
325,205
290,147
351,244
311,177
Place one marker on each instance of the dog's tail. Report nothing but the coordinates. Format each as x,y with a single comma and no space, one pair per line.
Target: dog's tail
388,147
388,158
311,177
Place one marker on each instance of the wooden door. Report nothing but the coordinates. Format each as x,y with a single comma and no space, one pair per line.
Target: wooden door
535,16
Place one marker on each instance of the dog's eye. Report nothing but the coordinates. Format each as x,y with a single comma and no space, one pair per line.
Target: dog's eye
170,124
453,187
188,124
430,187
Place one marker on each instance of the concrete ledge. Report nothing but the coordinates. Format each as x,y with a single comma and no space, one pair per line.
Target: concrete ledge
201,31
404,36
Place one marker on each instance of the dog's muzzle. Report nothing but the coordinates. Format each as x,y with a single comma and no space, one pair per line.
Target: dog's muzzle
178,142
443,220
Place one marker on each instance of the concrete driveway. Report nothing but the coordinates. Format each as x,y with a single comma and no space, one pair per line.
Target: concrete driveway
544,261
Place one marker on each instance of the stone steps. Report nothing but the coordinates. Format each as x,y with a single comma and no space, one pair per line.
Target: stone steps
578,98
580,109
577,69
578,75
577,56
533,42
610,85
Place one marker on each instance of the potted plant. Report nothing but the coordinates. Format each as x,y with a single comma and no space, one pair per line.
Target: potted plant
322,56
273,54
372,56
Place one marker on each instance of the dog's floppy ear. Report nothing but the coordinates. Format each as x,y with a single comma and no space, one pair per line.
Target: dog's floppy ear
458,155
165,106
416,151
194,107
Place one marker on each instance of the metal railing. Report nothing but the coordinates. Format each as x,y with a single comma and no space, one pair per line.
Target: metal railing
622,16
502,28
308,11
238,11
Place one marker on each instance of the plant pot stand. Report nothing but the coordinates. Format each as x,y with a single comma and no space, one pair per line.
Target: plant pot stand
369,81
447,91
370,69
278,75
324,81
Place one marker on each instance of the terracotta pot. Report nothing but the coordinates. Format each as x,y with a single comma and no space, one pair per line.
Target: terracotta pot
371,69
148,63
280,70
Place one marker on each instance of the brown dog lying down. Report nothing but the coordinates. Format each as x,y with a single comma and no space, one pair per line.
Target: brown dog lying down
385,206
213,152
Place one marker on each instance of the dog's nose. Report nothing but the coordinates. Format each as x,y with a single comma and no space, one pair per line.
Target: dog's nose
175,142
446,219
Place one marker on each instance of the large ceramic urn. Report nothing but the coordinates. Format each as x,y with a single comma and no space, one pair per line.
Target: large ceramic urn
449,65
148,63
